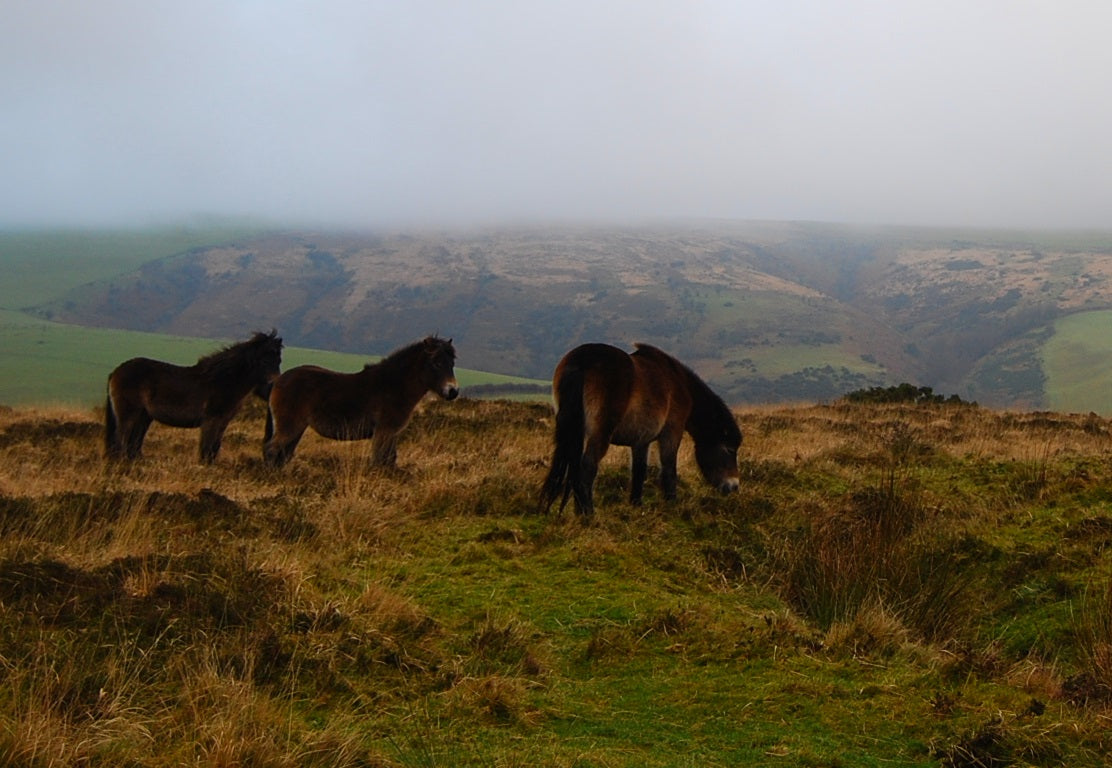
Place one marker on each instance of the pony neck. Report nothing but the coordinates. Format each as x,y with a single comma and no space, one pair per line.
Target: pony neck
398,361
398,370
227,363
708,411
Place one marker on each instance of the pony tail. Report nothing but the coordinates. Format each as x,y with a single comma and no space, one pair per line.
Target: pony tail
268,433
567,454
110,427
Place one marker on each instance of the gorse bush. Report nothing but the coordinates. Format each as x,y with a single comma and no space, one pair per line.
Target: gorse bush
931,572
901,393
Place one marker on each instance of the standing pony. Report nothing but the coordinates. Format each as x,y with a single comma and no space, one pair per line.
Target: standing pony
373,403
606,396
206,395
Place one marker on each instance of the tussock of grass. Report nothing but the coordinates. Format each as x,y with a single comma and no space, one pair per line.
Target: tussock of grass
916,585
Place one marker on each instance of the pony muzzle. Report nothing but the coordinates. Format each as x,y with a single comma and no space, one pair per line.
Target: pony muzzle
728,486
449,390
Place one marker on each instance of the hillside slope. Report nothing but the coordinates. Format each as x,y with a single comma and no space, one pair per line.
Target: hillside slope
766,311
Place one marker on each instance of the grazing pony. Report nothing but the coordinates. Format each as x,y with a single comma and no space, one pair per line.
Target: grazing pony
605,396
374,403
206,395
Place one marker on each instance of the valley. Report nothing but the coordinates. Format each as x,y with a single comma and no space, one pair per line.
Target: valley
766,311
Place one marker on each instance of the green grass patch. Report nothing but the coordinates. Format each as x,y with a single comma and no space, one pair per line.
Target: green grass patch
42,265
1076,363
787,359
635,660
45,363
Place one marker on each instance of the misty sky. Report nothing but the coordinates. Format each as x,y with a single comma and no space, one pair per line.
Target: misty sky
360,112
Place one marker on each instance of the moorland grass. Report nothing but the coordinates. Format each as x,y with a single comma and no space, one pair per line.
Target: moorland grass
1075,361
893,585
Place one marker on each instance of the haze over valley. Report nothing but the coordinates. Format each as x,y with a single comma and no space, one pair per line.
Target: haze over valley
768,312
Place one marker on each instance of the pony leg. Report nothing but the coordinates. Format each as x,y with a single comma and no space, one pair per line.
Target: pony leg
277,452
279,444
583,486
668,474
135,431
384,449
212,433
638,470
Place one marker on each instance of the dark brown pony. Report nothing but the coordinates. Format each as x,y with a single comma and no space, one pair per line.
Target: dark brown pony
374,403
205,395
606,396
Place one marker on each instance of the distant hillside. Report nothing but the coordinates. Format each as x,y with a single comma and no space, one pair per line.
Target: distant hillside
767,311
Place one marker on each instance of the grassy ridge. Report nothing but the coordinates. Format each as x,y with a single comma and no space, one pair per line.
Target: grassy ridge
916,586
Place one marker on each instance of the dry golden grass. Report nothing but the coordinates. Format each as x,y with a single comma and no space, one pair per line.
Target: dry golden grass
330,614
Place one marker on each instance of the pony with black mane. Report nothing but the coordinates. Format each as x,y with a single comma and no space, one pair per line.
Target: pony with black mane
375,403
605,396
206,395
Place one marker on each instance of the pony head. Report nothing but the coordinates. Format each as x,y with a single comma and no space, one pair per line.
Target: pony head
716,455
440,357
266,355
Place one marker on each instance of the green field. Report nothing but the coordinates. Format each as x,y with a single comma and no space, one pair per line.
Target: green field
1076,362
44,363
42,265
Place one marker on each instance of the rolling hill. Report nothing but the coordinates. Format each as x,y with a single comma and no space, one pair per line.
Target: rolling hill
766,311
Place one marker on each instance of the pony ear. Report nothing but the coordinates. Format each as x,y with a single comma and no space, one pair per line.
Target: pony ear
272,336
434,345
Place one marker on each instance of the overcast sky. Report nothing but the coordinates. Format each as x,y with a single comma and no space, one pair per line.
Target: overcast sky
361,112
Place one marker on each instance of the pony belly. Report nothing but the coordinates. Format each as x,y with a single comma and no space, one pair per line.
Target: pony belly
634,430
345,431
627,438
171,418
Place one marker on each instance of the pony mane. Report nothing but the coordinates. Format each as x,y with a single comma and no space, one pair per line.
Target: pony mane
231,358
400,358
711,418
